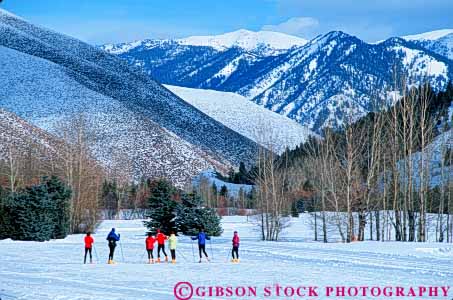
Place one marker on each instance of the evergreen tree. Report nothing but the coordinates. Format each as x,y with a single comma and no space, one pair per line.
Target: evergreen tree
110,198
210,221
192,216
60,195
294,210
32,214
214,189
37,213
224,191
187,220
5,225
162,206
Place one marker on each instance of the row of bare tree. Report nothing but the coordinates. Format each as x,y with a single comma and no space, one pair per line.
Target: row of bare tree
383,171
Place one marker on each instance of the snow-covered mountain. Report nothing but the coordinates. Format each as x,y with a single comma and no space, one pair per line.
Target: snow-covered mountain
48,77
439,41
247,40
261,42
329,80
429,36
249,119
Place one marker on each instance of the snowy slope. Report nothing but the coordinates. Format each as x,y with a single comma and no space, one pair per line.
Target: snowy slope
48,77
47,96
440,41
439,172
429,36
241,115
233,188
18,136
321,83
56,270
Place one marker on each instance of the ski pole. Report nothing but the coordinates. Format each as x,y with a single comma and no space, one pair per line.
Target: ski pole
182,255
122,253
96,253
210,246
229,253
141,258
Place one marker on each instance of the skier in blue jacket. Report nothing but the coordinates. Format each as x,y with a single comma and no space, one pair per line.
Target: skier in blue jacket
112,237
202,237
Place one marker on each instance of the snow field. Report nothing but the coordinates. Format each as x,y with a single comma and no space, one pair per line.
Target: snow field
245,117
54,270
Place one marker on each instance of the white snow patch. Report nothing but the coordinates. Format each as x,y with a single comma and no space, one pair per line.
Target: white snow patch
245,117
430,36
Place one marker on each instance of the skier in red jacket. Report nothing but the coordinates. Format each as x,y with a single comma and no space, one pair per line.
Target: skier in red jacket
88,247
150,240
161,238
235,249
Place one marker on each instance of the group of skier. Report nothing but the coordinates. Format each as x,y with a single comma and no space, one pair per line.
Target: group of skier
160,238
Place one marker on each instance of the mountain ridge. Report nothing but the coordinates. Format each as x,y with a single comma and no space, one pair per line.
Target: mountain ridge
316,84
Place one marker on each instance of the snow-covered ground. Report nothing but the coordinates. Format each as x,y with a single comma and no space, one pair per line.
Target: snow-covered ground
53,270
247,118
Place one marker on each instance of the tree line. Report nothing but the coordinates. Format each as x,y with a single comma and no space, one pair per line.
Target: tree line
388,171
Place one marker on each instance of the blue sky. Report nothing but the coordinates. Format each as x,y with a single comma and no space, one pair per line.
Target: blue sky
102,21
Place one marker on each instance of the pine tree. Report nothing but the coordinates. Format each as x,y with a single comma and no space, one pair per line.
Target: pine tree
224,191
162,207
191,216
187,220
294,210
5,225
32,214
110,198
37,213
60,195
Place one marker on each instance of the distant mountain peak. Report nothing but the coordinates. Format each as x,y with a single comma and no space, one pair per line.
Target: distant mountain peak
429,36
246,39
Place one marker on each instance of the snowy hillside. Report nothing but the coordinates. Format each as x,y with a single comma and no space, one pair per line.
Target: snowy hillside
440,41
56,270
439,170
49,77
233,188
18,136
429,36
253,121
321,83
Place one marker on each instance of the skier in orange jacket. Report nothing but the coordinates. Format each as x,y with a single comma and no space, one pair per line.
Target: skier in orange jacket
161,238
88,247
